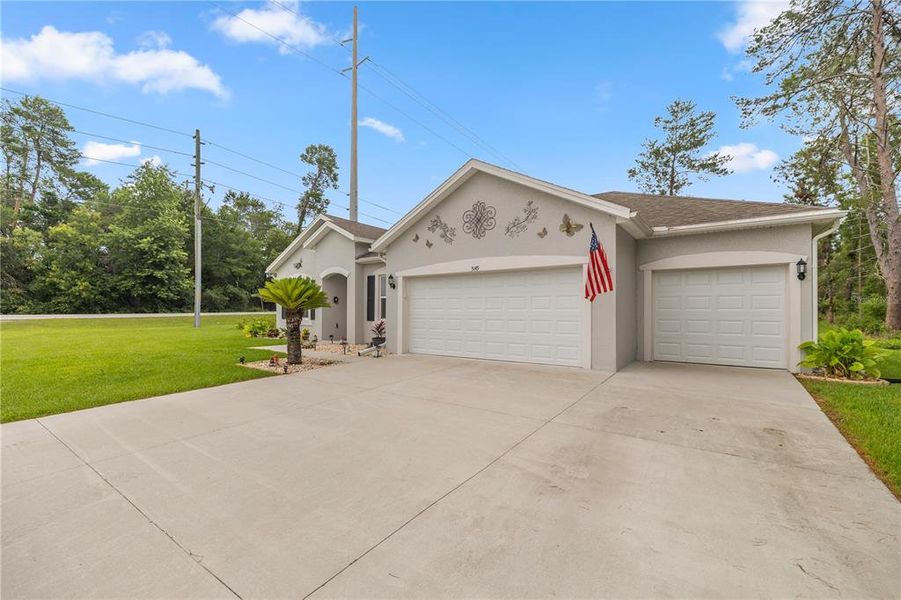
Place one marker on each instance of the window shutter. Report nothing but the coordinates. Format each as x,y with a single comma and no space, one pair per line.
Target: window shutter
370,298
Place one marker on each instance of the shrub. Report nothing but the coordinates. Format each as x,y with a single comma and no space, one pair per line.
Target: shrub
869,317
843,353
305,334
257,327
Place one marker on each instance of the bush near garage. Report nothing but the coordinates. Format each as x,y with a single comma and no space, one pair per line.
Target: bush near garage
843,354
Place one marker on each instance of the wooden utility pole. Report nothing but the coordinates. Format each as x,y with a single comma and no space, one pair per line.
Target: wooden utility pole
198,187
353,125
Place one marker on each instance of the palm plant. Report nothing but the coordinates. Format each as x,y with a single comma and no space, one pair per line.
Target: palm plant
296,295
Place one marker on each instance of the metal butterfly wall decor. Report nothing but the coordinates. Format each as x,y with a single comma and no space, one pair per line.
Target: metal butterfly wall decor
428,244
569,227
415,238
298,264
543,232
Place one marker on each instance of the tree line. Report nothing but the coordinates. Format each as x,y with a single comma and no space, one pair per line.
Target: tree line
69,243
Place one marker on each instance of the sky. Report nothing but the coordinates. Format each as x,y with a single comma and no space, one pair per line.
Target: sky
565,92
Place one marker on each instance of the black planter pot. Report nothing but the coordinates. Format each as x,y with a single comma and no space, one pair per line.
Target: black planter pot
377,341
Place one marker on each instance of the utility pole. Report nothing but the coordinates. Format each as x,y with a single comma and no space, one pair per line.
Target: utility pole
198,187
353,126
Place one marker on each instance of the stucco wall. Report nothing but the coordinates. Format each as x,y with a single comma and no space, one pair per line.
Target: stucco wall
794,239
365,270
626,284
509,199
333,250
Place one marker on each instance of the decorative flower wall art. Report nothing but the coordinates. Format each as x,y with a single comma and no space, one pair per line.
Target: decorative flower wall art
447,232
569,227
521,223
479,219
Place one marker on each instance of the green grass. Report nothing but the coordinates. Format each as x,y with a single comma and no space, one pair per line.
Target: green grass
55,366
869,416
890,366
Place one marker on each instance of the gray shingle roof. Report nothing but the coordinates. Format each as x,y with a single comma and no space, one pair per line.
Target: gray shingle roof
358,229
675,211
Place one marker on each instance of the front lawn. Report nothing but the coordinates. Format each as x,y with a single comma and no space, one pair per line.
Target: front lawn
869,416
54,366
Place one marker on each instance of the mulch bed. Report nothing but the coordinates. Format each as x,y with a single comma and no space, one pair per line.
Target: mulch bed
308,364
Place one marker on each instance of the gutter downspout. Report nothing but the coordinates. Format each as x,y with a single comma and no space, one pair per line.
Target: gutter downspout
815,280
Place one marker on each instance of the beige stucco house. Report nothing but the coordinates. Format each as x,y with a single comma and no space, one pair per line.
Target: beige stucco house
491,265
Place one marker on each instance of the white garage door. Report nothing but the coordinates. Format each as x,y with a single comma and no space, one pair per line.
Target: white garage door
524,316
731,316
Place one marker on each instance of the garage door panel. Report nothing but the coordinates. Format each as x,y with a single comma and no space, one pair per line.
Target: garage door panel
730,316
520,316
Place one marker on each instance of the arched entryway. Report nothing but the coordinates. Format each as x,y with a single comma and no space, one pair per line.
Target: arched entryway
334,318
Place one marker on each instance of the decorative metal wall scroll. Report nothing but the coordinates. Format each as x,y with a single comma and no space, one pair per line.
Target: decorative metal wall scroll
569,227
543,232
447,232
521,223
415,238
479,219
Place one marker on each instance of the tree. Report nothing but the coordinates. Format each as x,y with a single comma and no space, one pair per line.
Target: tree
37,152
834,67
665,166
323,177
296,295
74,279
147,236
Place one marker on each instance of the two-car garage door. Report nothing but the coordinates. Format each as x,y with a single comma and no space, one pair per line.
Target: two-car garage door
532,316
727,316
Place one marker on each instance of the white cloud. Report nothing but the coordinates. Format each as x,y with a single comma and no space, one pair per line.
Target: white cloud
292,27
748,157
154,160
385,129
752,15
90,56
154,39
98,150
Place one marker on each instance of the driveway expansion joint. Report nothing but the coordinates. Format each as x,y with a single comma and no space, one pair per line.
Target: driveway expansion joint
458,486
188,553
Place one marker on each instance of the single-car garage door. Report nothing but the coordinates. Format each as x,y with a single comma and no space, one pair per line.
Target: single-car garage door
728,316
525,316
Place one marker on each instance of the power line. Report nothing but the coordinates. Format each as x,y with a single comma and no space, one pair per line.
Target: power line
420,99
297,50
104,114
106,137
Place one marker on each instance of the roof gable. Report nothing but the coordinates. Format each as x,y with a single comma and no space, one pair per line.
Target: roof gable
319,228
474,166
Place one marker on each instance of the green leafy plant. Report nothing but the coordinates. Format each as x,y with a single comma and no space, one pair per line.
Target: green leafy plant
305,334
843,353
297,295
258,327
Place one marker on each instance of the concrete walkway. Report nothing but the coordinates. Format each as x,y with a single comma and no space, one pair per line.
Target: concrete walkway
427,477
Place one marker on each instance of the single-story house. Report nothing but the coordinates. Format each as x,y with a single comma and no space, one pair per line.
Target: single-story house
492,265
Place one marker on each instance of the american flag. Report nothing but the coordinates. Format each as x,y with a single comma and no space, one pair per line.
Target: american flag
598,279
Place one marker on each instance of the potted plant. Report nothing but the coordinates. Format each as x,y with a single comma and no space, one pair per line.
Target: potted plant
378,332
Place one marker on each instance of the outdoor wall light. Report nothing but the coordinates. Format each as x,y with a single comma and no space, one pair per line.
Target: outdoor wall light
335,300
391,283
801,265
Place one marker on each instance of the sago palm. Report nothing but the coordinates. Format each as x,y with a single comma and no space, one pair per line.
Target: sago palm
296,295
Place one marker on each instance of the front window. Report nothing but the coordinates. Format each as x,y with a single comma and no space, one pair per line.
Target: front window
383,296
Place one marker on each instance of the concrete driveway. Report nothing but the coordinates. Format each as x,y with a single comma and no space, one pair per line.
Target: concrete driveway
427,477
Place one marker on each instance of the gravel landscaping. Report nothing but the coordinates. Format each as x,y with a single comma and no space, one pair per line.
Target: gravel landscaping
308,364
